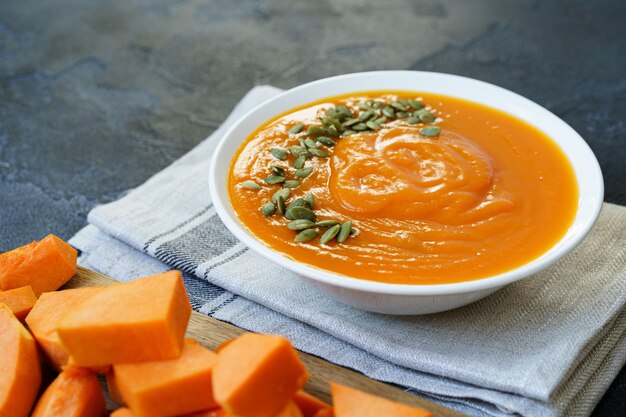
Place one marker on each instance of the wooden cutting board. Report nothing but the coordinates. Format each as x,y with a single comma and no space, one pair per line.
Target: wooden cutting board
211,333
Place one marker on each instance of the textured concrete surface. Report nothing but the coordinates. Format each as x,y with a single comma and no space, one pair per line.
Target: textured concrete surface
97,96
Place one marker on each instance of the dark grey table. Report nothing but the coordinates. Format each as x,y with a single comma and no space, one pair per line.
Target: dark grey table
96,96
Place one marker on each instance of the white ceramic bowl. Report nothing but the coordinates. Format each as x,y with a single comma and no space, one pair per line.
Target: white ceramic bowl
413,299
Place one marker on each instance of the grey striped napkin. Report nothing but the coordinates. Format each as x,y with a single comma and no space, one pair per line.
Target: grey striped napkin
547,346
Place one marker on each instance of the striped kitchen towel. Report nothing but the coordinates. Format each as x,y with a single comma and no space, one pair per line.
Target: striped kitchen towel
546,346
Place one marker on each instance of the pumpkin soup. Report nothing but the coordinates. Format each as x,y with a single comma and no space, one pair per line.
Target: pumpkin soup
403,187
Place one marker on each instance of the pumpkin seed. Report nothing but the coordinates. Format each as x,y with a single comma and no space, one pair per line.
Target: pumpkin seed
398,106
310,143
298,150
402,114
299,162
366,115
306,235
274,179
268,209
327,223
350,122
332,131
304,172
381,120
344,110
300,212
280,204
315,130
279,153
344,232
251,185
300,224
413,120
348,132
318,152
283,192
389,112
330,233
296,129
426,116
291,184
359,127
372,125
416,104
364,106
377,104
430,131
310,201
298,202
326,141
278,170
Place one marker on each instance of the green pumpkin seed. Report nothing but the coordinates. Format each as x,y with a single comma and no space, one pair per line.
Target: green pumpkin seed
310,201
344,232
315,130
330,234
298,202
350,122
332,113
359,127
251,185
300,212
274,179
303,172
268,209
426,116
326,141
291,184
296,129
381,120
332,131
318,152
279,153
372,125
366,115
299,162
389,112
327,223
364,106
306,235
344,110
298,150
398,106
300,224
348,132
416,104
310,143
402,114
283,192
377,104
280,205
278,170
413,120
430,131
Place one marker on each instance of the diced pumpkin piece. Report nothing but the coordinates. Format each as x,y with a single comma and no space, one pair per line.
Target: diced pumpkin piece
309,404
122,412
44,265
290,410
45,316
257,375
20,372
138,321
74,393
171,387
350,402
19,300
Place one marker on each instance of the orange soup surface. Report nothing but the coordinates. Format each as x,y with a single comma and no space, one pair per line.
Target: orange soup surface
478,193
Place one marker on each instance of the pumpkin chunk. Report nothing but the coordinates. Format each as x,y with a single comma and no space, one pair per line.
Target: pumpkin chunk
44,265
74,393
350,402
138,321
171,387
45,316
19,300
309,404
122,412
257,375
20,372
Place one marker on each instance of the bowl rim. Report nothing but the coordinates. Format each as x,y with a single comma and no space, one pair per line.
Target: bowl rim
575,234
